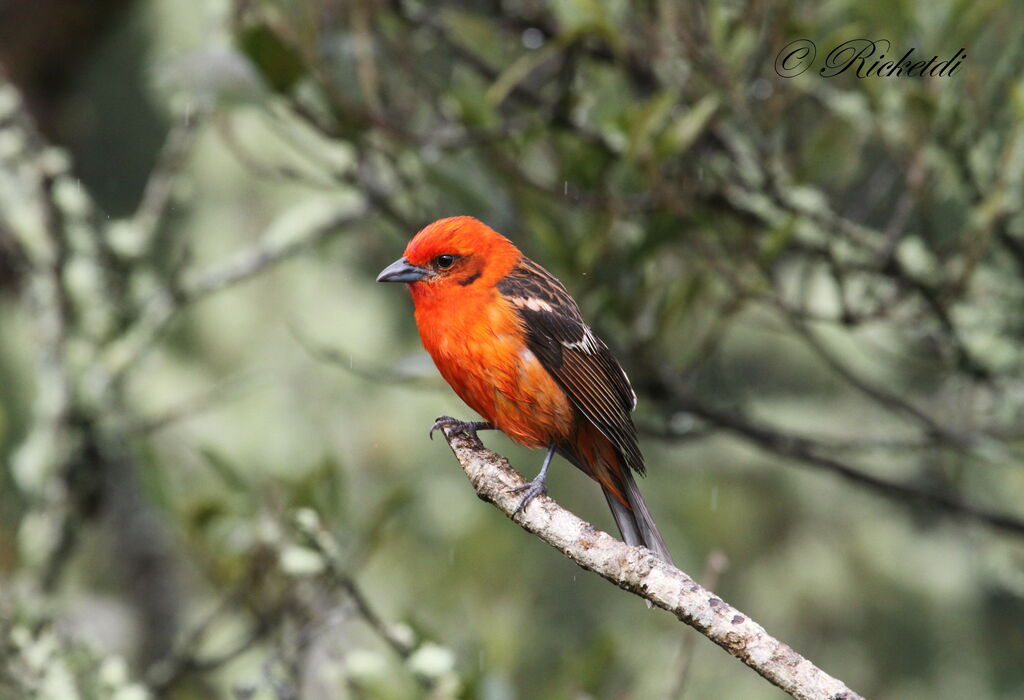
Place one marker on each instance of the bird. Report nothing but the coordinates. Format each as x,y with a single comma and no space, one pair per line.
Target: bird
511,342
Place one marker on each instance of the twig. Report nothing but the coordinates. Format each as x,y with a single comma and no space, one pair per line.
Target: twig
157,196
283,241
193,406
316,537
883,397
185,660
249,263
637,570
805,452
332,356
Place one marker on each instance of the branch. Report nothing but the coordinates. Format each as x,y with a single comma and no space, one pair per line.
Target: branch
888,400
294,231
805,451
158,194
717,563
637,570
308,524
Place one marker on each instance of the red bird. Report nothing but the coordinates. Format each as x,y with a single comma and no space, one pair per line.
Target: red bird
511,342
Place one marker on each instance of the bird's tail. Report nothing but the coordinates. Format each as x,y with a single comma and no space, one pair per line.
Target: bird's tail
635,523
601,461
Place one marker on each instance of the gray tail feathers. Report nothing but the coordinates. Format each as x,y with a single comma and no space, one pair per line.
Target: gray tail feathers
636,525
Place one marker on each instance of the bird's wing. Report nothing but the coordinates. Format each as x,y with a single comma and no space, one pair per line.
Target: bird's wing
575,357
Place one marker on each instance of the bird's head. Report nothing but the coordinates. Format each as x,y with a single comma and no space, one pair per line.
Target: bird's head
452,253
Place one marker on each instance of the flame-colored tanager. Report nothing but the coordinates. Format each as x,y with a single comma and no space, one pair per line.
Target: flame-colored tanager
511,342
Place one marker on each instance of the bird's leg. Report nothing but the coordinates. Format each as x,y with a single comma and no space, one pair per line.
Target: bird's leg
537,486
468,427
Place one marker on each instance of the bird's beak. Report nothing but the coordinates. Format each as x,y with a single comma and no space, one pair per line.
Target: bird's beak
402,270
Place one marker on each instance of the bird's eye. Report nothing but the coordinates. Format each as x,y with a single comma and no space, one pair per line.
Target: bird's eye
443,262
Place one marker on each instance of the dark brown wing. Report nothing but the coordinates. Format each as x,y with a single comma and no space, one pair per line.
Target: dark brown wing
576,358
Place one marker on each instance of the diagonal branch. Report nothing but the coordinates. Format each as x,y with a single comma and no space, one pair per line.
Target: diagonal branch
293,232
806,451
637,570
158,194
889,400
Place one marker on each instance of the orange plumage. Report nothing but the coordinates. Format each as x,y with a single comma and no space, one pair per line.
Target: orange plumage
508,338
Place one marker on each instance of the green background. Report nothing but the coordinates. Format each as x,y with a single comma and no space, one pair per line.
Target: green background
797,274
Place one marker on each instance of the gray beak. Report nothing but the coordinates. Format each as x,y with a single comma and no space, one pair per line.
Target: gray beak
402,270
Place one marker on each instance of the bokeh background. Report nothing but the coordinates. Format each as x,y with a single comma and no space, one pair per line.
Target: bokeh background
215,480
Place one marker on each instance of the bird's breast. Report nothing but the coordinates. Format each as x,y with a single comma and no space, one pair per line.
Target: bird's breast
480,349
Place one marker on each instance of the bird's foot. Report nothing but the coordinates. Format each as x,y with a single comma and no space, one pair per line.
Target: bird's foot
460,426
530,490
537,486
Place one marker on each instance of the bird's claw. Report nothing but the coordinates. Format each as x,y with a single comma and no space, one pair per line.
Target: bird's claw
461,426
441,423
534,488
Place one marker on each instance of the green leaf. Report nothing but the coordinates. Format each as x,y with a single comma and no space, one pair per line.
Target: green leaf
689,125
224,470
277,62
647,120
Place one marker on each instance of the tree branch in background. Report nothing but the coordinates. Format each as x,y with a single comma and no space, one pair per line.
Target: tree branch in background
638,571
294,232
806,451
798,449
158,195
319,540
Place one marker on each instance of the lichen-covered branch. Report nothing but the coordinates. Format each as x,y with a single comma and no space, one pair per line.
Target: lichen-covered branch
637,570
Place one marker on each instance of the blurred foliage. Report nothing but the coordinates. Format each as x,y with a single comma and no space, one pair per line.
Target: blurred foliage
216,480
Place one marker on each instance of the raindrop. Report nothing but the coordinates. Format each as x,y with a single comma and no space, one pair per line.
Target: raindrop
430,153
682,422
761,89
533,38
